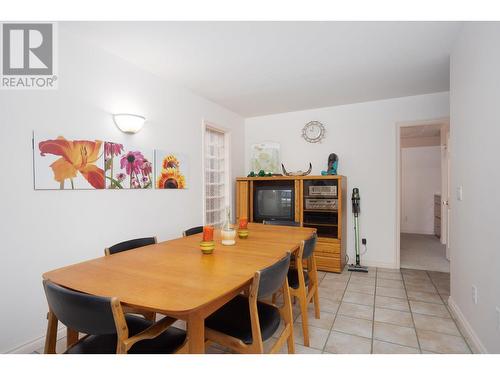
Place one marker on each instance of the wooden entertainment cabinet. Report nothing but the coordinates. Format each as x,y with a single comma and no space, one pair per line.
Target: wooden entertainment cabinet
330,222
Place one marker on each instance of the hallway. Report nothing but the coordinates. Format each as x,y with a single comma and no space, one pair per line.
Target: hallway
424,252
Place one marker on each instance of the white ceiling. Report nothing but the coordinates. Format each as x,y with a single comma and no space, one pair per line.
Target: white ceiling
257,68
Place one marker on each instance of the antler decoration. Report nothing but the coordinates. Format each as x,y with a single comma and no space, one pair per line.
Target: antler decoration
298,173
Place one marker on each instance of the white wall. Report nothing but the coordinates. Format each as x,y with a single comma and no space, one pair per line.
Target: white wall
475,134
364,137
43,230
420,180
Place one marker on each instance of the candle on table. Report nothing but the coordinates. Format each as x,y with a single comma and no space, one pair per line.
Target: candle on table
208,233
243,223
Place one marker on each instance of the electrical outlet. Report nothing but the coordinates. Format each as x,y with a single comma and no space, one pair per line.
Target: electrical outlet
474,294
363,241
460,193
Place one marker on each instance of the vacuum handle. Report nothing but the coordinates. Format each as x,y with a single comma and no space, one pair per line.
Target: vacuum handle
356,199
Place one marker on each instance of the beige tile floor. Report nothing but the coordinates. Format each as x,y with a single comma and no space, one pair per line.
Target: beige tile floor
383,311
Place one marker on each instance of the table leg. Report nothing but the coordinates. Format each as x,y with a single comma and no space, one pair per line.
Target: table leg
196,334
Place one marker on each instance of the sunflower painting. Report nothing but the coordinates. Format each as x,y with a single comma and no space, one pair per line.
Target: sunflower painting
60,163
127,168
171,170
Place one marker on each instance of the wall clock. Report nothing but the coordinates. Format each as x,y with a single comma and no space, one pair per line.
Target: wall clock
313,132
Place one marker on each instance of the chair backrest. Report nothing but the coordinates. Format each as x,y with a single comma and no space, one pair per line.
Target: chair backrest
273,277
84,313
282,222
191,231
309,246
131,244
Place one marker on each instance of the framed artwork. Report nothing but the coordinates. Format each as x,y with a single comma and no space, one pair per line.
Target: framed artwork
127,167
171,170
265,156
67,164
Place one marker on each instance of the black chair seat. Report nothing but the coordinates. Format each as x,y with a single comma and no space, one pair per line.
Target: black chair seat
233,319
166,343
293,278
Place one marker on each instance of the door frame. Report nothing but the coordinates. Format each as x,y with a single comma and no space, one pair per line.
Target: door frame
399,125
445,189
205,124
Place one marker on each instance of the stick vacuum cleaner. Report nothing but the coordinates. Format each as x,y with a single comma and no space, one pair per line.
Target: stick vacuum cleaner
356,210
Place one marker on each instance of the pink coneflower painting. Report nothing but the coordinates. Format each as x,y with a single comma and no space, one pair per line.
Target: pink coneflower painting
112,149
126,167
132,161
147,168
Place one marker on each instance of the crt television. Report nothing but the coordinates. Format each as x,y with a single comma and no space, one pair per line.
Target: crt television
273,200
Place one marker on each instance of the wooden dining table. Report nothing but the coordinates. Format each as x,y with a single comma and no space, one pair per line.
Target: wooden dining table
174,278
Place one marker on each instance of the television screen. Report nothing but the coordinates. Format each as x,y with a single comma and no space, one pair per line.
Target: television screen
274,203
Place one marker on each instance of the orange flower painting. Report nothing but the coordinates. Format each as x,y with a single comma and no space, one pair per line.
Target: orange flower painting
77,165
171,170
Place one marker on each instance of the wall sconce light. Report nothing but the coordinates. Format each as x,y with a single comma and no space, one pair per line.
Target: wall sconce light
129,123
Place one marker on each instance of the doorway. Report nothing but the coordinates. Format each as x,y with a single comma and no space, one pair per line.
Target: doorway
423,191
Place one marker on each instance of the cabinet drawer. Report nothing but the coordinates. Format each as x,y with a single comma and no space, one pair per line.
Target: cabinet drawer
325,259
327,247
328,263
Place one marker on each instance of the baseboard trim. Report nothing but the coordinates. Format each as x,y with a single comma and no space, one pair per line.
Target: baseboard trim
473,340
418,232
378,264
35,344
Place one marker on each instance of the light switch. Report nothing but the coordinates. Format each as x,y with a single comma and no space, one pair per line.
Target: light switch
460,193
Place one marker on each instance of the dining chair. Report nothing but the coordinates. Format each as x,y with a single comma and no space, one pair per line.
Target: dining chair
130,245
304,283
245,322
107,329
282,222
191,231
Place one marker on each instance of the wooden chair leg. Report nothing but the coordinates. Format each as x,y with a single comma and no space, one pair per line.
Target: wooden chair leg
305,318
51,336
71,337
290,342
316,304
288,317
315,286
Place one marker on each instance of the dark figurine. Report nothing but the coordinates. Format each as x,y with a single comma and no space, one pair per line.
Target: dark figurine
333,162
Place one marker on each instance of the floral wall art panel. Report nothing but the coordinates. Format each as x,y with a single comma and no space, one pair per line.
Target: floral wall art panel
67,163
171,170
128,167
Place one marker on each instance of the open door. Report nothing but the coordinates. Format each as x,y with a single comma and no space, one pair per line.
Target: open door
422,226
